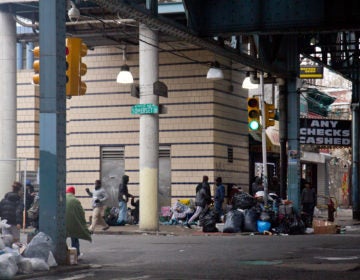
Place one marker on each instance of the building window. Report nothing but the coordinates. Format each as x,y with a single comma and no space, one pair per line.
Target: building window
230,153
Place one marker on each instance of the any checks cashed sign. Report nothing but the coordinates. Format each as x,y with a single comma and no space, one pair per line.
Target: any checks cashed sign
325,132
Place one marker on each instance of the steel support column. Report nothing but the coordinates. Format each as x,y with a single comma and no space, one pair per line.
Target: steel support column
149,130
8,102
53,124
355,198
293,113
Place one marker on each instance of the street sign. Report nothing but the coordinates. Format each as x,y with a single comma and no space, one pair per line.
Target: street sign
140,109
311,72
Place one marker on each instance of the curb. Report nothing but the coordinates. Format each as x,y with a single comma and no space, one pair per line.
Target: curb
54,270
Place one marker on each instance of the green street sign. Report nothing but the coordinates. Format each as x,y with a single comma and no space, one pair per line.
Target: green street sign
140,109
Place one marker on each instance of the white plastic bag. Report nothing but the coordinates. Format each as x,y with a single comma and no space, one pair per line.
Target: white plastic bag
51,260
7,239
2,244
25,266
39,247
3,224
39,264
8,266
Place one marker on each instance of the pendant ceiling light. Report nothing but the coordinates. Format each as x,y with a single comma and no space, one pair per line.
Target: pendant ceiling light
124,76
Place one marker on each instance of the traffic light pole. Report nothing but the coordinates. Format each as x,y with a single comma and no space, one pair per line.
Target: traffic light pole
263,139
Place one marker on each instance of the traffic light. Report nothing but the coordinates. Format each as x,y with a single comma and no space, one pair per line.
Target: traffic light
269,115
253,113
36,66
75,50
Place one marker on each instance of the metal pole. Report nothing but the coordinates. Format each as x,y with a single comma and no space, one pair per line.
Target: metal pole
263,139
24,184
283,140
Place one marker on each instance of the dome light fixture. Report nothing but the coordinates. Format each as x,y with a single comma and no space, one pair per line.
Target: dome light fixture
247,84
124,76
73,13
215,73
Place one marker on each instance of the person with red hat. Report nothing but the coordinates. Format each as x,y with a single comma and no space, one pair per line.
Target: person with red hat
76,227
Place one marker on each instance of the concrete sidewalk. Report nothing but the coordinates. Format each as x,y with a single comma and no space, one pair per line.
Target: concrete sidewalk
343,218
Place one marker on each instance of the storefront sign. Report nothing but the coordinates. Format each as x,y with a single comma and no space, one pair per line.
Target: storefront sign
311,72
324,132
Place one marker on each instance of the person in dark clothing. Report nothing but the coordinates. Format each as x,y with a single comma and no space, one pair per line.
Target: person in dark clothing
219,196
308,202
30,194
202,200
204,183
257,186
29,200
135,211
123,197
11,209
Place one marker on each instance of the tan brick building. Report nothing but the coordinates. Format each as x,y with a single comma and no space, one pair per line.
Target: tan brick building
204,131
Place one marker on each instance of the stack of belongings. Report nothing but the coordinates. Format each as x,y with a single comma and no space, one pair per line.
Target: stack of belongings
208,220
181,211
289,222
249,214
18,258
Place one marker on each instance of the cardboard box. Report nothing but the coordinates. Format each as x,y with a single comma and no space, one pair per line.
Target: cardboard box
324,227
71,257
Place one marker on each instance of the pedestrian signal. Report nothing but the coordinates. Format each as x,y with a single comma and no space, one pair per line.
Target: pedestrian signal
75,69
269,115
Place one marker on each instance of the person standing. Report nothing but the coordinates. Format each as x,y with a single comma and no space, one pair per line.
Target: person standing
202,200
257,186
123,197
76,227
99,196
29,200
219,196
11,209
204,183
308,202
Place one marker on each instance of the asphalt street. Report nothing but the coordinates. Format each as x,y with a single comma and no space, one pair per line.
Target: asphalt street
215,256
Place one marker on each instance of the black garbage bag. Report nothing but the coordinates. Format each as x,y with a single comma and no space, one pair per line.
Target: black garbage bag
234,221
250,220
243,200
208,221
296,226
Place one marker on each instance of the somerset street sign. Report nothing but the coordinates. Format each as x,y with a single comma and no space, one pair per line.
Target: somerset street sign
140,109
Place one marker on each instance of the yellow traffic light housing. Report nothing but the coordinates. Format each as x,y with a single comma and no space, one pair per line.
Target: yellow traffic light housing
269,115
253,113
36,66
75,50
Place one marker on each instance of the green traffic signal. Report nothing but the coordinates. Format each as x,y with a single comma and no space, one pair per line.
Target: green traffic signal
253,113
254,125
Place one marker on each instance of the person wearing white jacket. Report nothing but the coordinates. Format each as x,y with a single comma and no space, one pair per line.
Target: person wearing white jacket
99,196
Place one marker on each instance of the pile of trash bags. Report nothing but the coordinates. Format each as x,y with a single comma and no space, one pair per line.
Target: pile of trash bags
18,258
249,214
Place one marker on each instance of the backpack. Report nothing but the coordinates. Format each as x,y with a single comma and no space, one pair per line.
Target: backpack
33,212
